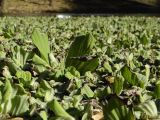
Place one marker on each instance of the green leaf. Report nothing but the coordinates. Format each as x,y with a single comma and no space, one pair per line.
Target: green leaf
58,110
45,90
133,78
41,42
7,91
129,76
87,91
118,85
102,92
147,67
116,110
24,77
72,73
14,100
142,80
53,61
19,89
82,47
89,65
6,106
76,100
107,66
149,108
144,39
43,115
41,64
39,61
157,90
13,68
20,105
60,118
88,112
2,55
20,56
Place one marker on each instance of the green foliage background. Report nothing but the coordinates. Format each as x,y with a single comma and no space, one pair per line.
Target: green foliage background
44,74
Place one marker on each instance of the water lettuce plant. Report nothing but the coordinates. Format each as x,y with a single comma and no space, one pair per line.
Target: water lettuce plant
80,68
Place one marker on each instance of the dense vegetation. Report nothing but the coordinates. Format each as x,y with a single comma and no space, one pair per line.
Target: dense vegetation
80,68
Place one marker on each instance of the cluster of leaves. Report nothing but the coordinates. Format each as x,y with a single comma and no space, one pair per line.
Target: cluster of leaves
109,71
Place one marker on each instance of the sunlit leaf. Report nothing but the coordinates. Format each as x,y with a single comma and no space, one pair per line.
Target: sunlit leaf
133,78
41,42
44,115
72,73
107,67
118,85
13,103
45,90
149,108
39,61
87,91
82,47
58,110
20,105
24,77
116,110
20,56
